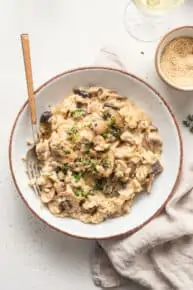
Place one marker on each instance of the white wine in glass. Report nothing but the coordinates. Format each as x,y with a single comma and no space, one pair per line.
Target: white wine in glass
145,19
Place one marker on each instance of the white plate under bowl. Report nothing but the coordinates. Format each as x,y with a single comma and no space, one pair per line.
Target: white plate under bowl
146,206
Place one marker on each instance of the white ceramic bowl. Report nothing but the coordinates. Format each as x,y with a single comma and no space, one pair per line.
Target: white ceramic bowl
146,206
184,31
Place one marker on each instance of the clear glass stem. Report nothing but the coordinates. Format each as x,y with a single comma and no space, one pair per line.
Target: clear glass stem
141,26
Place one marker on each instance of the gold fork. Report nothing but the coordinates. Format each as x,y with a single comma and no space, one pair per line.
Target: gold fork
31,157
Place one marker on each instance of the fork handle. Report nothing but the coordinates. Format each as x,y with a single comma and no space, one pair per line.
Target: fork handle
29,78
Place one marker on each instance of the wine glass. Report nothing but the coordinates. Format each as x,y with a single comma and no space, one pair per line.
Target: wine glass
146,20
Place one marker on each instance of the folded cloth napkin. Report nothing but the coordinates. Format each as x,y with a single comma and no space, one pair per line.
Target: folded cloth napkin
160,255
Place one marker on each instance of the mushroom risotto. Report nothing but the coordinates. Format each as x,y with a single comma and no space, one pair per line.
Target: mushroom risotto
96,152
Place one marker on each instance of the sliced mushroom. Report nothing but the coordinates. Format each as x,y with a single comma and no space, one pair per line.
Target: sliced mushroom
157,168
115,95
116,118
132,167
81,101
152,141
69,203
44,181
54,207
155,138
59,187
95,91
81,92
45,130
109,186
65,205
47,194
149,183
115,104
89,207
153,128
45,117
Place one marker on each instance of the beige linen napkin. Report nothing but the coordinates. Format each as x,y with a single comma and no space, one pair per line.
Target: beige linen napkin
160,255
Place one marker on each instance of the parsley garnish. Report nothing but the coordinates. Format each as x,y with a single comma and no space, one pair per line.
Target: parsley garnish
78,113
67,152
78,192
73,133
76,175
106,115
105,135
65,166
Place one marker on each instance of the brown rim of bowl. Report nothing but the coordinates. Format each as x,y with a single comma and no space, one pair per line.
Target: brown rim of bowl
179,170
156,59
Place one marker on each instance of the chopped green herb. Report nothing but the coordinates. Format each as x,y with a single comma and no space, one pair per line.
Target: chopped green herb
73,133
112,121
88,146
73,130
85,193
106,115
78,192
65,166
76,175
94,163
113,128
79,159
87,149
105,135
78,113
90,162
67,152
75,137
86,161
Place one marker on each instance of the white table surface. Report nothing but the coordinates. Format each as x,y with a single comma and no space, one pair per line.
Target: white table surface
64,34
